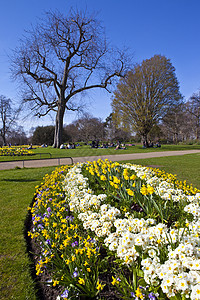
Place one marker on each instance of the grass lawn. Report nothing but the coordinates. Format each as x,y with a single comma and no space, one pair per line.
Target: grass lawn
17,189
86,150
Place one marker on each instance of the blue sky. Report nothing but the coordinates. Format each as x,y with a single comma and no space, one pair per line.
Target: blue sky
147,27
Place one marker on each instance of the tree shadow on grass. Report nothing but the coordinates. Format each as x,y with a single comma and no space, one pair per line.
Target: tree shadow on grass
18,180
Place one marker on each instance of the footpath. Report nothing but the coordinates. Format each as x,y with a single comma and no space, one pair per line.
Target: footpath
65,161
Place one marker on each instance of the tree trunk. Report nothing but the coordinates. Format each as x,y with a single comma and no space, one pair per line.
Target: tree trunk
145,140
3,135
197,130
59,126
4,139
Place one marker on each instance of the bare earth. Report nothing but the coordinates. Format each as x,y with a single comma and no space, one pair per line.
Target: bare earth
64,161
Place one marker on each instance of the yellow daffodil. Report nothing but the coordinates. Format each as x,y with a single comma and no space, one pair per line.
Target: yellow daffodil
81,281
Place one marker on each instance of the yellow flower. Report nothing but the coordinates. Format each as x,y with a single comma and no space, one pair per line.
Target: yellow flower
116,179
130,192
55,282
114,280
133,177
143,190
144,176
103,177
81,281
139,294
150,189
88,269
111,183
100,286
67,261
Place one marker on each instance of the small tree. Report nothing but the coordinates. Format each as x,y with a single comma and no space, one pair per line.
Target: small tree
61,58
145,95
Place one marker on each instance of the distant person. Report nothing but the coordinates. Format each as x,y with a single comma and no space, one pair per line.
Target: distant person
158,145
118,147
144,144
150,144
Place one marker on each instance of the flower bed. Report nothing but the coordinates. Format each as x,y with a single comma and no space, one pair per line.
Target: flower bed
113,231
14,151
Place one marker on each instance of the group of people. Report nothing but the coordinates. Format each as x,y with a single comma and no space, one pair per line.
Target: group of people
150,144
69,146
118,145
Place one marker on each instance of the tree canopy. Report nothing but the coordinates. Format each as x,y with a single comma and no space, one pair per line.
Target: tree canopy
145,95
61,57
43,135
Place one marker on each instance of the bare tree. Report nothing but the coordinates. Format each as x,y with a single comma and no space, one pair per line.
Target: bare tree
90,128
7,117
71,132
174,123
17,136
194,110
62,57
114,132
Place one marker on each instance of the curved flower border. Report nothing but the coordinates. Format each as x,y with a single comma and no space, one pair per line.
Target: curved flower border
167,257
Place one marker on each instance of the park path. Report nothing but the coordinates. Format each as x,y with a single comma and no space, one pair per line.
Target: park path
64,161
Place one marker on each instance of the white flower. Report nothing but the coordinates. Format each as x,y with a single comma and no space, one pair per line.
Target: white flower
195,292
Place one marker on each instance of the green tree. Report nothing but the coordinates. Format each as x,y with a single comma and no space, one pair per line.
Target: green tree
145,95
59,59
43,135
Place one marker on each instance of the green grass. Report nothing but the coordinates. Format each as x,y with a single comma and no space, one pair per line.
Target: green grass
88,151
17,190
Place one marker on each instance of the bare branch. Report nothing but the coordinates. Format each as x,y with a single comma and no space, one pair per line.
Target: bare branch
62,57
